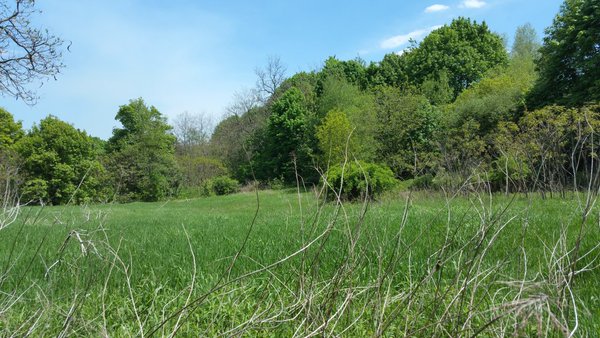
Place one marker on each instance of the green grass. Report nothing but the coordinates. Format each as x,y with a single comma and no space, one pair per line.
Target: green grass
394,272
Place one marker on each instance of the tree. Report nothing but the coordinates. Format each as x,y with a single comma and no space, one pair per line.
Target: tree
464,50
569,63
526,44
192,132
141,154
352,71
61,164
391,71
10,131
359,108
27,54
270,77
335,138
285,146
406,124
499,96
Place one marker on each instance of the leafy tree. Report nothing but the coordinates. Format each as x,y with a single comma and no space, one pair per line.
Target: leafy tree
141,154
10,131
353,71
464,50
499,96
526,44
406,125
359,108
61,164
284,145
391,71
569,63
437,89
334,136
28,53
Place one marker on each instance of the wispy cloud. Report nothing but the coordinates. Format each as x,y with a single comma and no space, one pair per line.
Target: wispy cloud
436,8
473,4
401,40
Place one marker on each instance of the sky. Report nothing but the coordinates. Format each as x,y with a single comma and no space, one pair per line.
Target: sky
192,55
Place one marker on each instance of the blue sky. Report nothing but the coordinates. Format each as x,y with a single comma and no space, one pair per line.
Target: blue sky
184,55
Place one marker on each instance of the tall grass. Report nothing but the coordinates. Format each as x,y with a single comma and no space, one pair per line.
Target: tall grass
290,263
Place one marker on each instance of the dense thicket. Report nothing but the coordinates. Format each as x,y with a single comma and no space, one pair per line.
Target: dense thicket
455,109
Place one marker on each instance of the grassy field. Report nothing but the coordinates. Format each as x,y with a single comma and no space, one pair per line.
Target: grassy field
278,263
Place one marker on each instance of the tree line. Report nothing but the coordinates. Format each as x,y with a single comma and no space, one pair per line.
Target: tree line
457,108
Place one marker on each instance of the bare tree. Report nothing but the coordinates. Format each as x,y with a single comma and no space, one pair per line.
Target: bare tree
270,77
243,101
191,131
27,54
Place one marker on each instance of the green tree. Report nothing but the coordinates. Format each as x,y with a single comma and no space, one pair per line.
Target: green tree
499,96
391,71
353,71
10,131
569,63
141,153
359,108
61,164
406,125
526,44
464,50
335,138
285,144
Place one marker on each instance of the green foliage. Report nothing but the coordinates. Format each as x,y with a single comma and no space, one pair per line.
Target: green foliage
406,125
499,96
10,131
285,146
437,89
63,161
464,50
512,166
569,63
359,108
391,71
422,182
35,190
357,180
220,185
197,169
141,154
334,136
352,71
526,44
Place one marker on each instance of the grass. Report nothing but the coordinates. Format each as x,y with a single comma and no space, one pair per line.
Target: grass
425,265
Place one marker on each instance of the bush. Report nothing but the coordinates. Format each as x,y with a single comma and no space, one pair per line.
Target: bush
422,182
221,185
360,180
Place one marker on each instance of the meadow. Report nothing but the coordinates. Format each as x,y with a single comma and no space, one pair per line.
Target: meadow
283,263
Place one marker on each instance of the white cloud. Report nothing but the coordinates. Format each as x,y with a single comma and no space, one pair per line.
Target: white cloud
436,8
473,4
400,40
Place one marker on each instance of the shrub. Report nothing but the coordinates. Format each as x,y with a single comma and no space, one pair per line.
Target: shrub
422,182
221,185
360,180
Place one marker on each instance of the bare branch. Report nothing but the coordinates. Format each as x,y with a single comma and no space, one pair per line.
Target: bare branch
27,54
